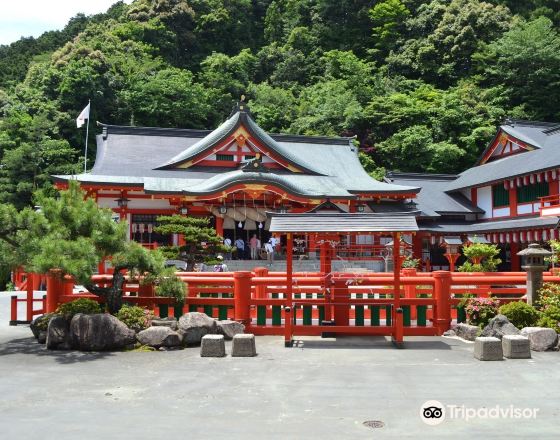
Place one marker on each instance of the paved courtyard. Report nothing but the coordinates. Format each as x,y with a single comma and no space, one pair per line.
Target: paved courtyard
321,389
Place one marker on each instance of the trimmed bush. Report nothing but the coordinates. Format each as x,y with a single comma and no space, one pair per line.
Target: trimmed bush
481,310
169,285
550,317
549,295
136,318
520,314
83,305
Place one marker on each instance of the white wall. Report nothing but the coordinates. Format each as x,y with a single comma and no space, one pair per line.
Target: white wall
484,200
110,202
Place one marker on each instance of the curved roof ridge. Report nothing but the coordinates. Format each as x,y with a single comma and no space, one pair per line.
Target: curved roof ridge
240,117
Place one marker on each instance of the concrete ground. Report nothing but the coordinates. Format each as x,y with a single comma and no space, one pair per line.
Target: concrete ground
321,389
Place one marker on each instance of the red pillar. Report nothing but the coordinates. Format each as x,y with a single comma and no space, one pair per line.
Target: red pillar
260,290
410,290
515,260
398,332
289,307
442,294
513,201
54,289
341,302
242,296
31,281
220,226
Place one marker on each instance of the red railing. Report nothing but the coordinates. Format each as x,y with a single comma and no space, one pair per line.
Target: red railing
362,303
550,205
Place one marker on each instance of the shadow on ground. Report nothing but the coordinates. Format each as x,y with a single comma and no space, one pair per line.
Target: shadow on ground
369,343
29,346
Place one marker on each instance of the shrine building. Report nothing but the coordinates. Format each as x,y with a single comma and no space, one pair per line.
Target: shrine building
237,173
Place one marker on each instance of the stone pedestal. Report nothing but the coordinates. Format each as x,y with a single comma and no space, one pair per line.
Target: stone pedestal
516,347
213,346
488,349
243,346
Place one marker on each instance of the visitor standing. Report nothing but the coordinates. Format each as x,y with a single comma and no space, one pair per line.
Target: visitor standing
227,242
220,266
254,245
240,246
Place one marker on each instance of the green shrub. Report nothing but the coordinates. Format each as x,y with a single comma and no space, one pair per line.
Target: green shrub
549,295
135,318
43,321
547,321
83,305
520,314
481,310
169,285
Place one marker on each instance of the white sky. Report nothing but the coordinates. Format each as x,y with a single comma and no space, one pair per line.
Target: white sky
30,18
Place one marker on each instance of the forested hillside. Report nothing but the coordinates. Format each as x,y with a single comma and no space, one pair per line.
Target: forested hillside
422,85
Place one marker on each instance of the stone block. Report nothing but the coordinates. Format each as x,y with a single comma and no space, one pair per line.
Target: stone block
213,346
516,347
243,345
488,349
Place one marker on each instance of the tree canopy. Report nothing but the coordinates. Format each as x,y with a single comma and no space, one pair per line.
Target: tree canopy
421,84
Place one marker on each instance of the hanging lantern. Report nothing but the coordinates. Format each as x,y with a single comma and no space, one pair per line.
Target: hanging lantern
240,224
150,228
260,225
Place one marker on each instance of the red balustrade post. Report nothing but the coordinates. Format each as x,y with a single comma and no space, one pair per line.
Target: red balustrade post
13,310
341,299
242,296
410,290
67,285
149,291
54,289
29,297
442,293
260,290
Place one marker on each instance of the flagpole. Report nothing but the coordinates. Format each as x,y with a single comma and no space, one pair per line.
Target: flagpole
87,135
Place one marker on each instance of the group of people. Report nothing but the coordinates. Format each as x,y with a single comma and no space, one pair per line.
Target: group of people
251,249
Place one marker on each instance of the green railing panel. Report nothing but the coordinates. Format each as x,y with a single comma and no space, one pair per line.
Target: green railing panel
261,315
422,313
461,315
163,310
388,316
375,313
359,315
222,313
321,314
178,310
276,315
209,310
193,308
406,316
307,315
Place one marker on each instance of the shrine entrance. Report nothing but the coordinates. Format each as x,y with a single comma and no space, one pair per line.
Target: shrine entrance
341,301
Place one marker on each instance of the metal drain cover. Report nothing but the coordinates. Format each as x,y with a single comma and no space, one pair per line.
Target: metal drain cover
373,424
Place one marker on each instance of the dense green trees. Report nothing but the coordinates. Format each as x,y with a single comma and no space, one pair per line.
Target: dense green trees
422,84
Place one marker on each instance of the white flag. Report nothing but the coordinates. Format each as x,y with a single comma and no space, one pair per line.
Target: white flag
80,120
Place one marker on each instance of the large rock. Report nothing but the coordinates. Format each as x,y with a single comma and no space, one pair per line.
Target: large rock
165,322
38,327
99,332
58,334
159,336
541,338
193,326
498,327
466,331
230,328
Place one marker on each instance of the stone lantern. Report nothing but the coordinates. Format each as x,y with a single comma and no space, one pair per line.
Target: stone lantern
452,245
534,265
